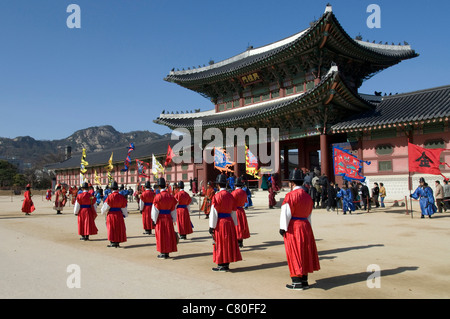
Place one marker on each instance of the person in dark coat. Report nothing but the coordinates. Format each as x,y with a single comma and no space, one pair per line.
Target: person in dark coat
355,194
272,201
338,200
376,194
365,196
308,178
314,196
331,199
323,181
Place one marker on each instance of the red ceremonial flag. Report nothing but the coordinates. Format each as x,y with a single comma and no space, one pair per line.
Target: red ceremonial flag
169,156
424,160
347,165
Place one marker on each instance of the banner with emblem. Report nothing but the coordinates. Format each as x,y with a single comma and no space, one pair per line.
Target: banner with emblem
425,160
222,160
142,168
347,165
251,163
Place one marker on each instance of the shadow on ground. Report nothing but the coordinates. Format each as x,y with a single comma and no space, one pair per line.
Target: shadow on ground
348,279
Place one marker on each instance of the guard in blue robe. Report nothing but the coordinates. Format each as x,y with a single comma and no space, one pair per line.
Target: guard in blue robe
347,199
123,191
99,197
249,202
424,194
231,181
106,192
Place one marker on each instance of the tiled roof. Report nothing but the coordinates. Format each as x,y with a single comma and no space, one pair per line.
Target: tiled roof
145,151
423,105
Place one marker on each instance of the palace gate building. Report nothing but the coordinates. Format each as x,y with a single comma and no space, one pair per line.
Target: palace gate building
307,86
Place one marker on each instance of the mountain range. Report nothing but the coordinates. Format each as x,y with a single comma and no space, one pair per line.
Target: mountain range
39,153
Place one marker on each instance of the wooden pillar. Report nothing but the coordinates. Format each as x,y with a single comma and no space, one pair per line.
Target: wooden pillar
409,138
324,155
206,176
277,157
301,154
286,162
237,170
360,152
175,166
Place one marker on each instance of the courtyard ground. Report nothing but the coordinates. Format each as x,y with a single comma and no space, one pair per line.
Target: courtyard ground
38,252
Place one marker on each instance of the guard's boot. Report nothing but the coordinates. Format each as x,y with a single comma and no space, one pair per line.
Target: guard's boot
221,268
296,284
304,280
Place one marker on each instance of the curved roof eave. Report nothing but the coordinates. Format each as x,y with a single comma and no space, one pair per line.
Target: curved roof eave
260,109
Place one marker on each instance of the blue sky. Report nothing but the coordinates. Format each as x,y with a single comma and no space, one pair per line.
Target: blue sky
55,80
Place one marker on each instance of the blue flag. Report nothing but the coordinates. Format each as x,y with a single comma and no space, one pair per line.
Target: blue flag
128,159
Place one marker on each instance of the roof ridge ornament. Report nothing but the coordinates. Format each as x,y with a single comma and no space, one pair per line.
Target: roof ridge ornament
333,68
328,8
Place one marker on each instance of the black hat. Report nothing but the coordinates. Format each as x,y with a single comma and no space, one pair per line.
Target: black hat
221,179
161,182
296,176
147,185
85,186
114,186
181,184
240,182
421,180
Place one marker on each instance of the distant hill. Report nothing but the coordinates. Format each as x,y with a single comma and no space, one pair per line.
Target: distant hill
93,139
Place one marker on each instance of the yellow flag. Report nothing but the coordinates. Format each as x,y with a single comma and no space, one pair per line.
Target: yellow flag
156,166
84,163
96,178
110,166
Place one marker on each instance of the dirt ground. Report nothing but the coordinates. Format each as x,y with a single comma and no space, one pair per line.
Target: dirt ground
38,252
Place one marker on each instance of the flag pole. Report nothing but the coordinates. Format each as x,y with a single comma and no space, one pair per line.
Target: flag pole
410,188
409,176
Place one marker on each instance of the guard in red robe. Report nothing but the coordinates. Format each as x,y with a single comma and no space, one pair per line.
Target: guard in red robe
164,215
48,195
73,191
272,193
86,210
175,189
115,206
222,226
60,200
240,196
138,193
209,194
91,189
274,182
27,205
145,206
295,227
183,218
194,186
